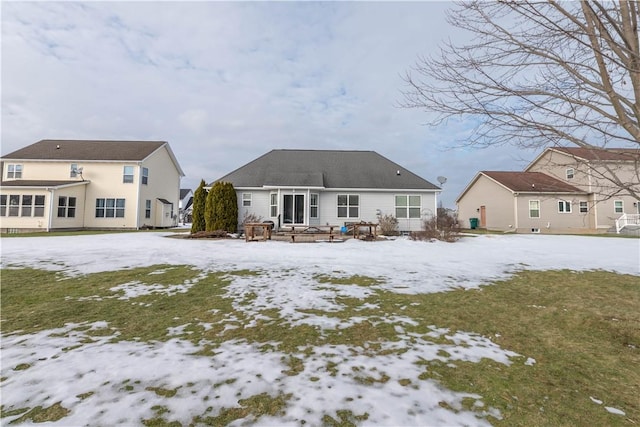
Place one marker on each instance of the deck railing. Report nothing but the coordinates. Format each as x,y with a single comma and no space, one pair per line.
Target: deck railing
627,219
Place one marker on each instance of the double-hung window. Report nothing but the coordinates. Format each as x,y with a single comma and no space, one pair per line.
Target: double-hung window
147,208
26,207
109,208
313,205
66,207
127,175
534,208
570,173
584,207
246,199
408,206
38,206
145,176
14,171
273,204
14,204
618,206
348,206
564,206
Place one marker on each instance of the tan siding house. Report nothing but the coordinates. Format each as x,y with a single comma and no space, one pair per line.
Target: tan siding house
523,202
562,191
80,184
586,170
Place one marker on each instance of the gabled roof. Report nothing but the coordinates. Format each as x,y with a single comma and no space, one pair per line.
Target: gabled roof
524,182
326,169
615,154
531,182
184,192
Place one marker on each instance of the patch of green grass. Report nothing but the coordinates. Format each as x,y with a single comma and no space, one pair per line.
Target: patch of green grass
39,414
582,329
349,280
250,409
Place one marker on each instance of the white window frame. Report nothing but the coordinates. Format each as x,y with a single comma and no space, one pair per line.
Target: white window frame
14,171
564,206
38,205
273,204
410,208
618,206
314,199
537,203
147,209
246,201
127,178
110,204
73,172
584,207
348,206
145,176
570,173
65,208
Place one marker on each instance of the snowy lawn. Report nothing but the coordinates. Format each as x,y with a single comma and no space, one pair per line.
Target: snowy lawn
139,328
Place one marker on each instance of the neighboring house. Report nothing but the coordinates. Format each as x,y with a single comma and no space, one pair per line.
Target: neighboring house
523,202
561,191
79,184
331,187
185,205
587,169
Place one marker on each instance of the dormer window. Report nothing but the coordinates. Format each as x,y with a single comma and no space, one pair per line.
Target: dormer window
14,171
569,173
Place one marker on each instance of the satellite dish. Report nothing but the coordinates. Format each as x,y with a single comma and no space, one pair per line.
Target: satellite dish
442,179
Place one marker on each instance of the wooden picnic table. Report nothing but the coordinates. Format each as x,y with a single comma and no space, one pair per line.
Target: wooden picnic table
250,234
355,227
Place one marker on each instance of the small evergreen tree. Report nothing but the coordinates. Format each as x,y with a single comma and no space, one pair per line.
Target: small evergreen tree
227,208
211,209
199,199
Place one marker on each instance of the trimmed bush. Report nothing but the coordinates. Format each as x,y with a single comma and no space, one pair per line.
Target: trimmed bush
199,199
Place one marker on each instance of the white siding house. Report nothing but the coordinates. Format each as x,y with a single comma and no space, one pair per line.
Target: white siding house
331,187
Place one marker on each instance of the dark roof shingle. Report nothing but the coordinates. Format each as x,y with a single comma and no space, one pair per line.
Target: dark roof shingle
328,169
532,182
620,154
85,150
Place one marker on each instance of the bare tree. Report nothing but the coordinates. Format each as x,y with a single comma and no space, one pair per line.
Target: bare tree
539,74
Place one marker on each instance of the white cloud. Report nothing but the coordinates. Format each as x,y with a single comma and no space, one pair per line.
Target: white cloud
234,79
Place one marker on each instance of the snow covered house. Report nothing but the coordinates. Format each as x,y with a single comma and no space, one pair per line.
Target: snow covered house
331,187
87,184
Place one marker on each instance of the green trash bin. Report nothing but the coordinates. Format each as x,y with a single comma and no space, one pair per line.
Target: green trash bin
474,223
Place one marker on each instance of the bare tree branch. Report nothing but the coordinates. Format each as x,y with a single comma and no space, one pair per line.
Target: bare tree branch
539,74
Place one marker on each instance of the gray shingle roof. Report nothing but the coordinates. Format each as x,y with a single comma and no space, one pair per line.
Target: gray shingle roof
328,169
55,149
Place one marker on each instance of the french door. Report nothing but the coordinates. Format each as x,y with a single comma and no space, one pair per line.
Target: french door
293,209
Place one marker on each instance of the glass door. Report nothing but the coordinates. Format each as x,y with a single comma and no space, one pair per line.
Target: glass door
293,209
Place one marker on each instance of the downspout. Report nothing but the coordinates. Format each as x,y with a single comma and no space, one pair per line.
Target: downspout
138,196
515,211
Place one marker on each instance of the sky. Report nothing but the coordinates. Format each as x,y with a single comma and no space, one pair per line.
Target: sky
69,362
225,82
